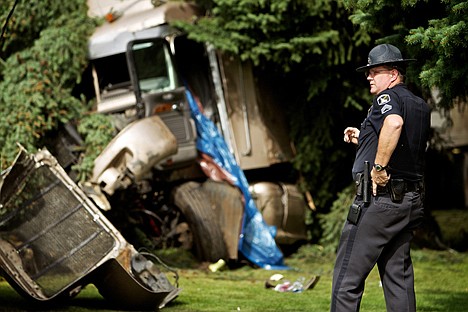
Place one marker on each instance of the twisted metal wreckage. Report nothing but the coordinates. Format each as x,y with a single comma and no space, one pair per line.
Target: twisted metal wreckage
54,241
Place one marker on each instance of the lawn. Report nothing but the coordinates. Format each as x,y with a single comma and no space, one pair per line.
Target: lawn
441,285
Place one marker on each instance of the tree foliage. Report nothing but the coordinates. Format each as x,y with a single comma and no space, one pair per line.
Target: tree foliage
97,130
45,51
332,222
433,31
274,31
314,48
308,47
446,40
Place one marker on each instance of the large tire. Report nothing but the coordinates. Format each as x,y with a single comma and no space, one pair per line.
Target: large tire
197,208
229,205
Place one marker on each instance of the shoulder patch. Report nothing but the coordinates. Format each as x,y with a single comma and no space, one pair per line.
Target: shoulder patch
383,99
386,108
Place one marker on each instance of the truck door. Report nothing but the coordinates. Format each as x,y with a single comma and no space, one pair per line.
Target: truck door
158,91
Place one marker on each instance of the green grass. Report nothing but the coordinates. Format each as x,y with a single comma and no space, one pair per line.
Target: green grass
453,228
441,285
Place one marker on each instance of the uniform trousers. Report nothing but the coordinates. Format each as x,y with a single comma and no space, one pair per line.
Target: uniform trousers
382,236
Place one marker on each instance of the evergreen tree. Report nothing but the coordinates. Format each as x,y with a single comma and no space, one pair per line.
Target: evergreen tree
308,47
44,53
433,31
314,48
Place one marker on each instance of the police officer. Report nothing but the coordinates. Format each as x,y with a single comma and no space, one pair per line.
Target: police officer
392,139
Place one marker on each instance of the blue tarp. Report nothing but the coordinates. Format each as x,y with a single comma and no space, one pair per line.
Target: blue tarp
256,241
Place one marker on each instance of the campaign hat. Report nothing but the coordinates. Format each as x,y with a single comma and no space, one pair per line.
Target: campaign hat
384,54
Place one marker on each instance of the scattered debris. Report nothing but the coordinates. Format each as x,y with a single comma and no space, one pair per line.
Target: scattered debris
278,283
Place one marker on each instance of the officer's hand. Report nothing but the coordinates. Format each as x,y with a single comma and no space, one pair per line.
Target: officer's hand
379,178
351,135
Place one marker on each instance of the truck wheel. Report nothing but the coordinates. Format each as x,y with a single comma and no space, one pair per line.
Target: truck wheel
229,206
195,204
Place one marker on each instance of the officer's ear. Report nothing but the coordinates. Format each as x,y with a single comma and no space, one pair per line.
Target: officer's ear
394,74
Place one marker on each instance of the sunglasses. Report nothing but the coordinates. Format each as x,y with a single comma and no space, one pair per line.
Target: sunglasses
373,73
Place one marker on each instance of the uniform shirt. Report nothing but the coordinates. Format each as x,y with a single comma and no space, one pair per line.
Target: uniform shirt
407,160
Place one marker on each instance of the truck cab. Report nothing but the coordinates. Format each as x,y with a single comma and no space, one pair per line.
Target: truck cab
143,68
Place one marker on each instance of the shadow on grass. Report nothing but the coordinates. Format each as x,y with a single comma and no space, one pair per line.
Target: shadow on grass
87,300
443,301
18,303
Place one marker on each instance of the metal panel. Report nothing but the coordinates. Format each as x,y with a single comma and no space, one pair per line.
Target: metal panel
54,241
132,153
258,125
132,23
53,231
283,206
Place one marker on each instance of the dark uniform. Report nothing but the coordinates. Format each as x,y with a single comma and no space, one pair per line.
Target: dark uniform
408,158
385,228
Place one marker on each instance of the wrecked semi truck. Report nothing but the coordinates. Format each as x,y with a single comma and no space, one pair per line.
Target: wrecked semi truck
192,123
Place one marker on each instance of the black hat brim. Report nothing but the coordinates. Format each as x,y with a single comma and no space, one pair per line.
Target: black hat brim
395,62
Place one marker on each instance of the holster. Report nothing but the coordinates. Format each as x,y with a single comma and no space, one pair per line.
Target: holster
363,187
397,189
359,180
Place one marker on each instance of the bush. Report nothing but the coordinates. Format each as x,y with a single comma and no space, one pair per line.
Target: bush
332,222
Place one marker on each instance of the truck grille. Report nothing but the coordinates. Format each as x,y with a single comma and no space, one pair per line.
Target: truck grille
179,126
56,237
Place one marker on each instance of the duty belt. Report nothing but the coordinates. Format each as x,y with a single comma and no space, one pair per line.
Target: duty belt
400,186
